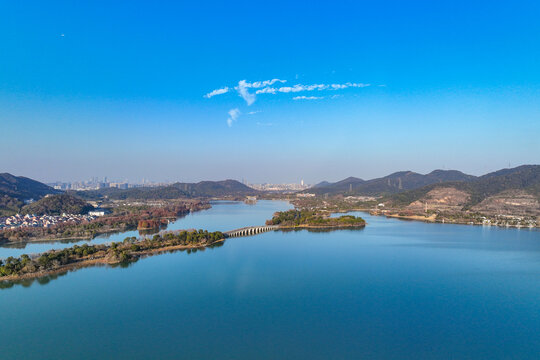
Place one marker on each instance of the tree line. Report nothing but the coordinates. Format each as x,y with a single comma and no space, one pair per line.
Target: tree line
116,252
313,218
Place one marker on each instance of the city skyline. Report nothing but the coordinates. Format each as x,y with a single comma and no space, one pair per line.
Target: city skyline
306,91
103,182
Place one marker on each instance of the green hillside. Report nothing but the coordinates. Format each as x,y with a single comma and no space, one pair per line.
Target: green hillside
391,184
526,177
174,191
23,188
14,190
56,205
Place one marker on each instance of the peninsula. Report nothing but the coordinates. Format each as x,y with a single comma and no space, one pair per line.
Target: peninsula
131,249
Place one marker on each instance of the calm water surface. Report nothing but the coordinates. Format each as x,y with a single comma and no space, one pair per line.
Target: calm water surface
396,289
217,218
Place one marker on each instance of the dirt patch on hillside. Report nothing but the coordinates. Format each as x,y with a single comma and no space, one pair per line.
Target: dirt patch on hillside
515,202
442,199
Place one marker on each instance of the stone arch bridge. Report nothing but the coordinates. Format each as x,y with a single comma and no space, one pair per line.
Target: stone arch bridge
250,230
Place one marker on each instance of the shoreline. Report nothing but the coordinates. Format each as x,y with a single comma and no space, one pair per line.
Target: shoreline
431,219
321,226
434,221
58,239
92,236
102,257
90,261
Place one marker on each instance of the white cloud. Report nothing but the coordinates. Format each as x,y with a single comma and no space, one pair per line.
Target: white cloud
312,87
260,84
358,85
266,90
217,92
242,89
265,87
308,97
254,112
234,114
300,87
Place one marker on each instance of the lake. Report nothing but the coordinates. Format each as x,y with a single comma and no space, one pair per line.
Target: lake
217,218
396,289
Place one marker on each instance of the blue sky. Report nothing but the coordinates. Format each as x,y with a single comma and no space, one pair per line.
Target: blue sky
118,89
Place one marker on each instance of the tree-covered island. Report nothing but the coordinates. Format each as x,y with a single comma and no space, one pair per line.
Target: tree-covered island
131,249
313,219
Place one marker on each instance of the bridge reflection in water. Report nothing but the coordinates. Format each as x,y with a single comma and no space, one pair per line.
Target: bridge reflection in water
250,230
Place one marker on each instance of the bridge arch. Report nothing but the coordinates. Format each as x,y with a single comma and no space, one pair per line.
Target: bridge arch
250,230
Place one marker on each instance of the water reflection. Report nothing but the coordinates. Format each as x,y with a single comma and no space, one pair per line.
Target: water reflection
222,216
324,229
46,279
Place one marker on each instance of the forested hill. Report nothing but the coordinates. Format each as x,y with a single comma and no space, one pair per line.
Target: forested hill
342,186
216,188
512,182
14,190
204,189
22,188
56,205
391,184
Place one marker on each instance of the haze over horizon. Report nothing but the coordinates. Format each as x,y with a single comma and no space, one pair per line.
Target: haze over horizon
267,93
329,179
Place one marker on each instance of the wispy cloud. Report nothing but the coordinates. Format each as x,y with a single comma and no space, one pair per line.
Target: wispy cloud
234,114
260,84
318,87
217,92
243,87
298,88
308,97
267,90
249,91
254,112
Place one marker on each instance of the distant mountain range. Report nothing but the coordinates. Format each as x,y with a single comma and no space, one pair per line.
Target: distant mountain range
511,191
204,189
14,190
391,184
515,190
507,191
